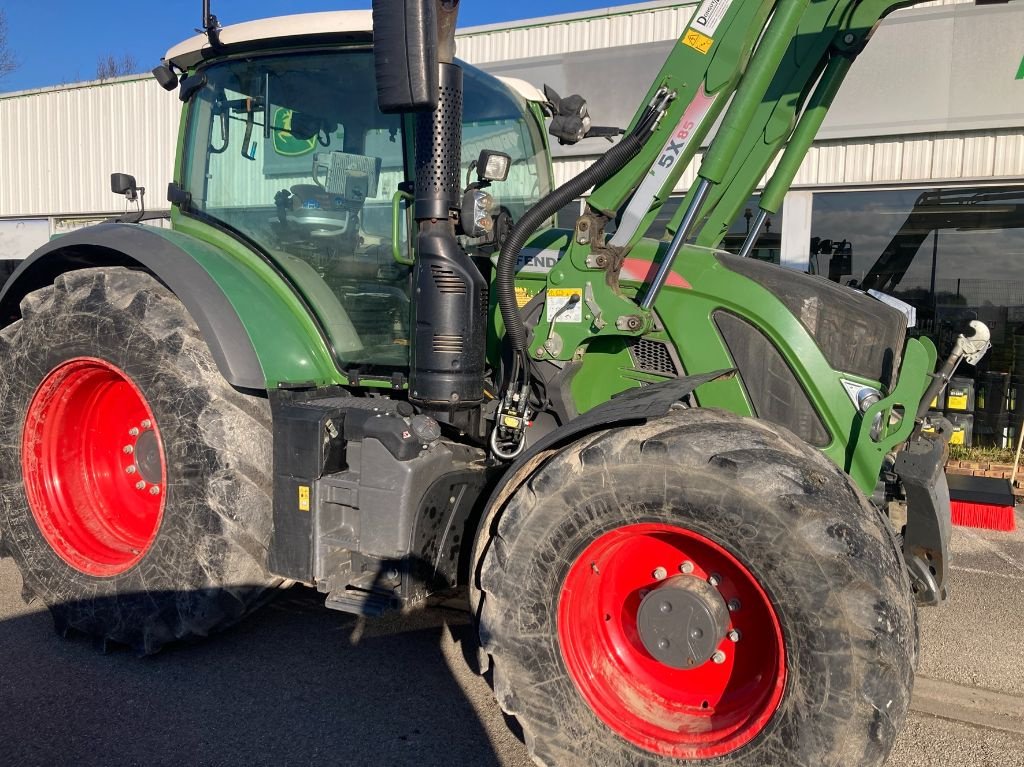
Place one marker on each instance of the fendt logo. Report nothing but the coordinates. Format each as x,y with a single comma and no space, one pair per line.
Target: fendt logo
537,260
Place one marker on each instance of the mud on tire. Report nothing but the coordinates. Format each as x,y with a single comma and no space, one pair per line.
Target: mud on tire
203,568
752,492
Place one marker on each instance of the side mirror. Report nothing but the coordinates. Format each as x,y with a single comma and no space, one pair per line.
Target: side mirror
166,77
405,55
122,183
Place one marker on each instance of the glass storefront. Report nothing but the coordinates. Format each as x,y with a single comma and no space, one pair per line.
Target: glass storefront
954,254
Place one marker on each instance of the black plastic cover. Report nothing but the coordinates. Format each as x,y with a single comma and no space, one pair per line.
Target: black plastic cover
450,319
405,55
856,333
773,389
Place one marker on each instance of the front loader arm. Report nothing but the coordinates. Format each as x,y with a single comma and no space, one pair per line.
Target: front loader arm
769,58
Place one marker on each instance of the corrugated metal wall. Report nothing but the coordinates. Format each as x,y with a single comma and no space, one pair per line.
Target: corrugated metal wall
61,145
647,23
588,31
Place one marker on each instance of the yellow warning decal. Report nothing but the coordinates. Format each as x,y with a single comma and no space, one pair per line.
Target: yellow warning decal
697,41
523,296
303,497
957,400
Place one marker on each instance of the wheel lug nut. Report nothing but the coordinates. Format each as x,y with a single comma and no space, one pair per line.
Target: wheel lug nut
130,469
659,574
133,432
665,607
718,657
734,605
663,644
686,567
128,449
154,490
140,485
146,424
734,635
714,579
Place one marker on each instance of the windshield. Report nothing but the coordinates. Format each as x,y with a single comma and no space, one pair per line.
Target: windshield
292,152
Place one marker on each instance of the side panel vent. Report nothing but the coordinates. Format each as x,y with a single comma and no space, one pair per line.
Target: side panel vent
447,344
774,390
447,281
653,357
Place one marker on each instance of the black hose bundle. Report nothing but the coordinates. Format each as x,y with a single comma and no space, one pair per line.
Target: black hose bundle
609,163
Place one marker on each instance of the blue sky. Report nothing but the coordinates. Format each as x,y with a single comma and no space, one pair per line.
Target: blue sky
59,41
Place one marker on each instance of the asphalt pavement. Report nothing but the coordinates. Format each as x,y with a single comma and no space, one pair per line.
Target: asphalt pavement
297,684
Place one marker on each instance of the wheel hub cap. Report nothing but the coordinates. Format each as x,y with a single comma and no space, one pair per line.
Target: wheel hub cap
682,621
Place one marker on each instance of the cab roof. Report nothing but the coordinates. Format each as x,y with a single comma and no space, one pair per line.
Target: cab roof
357,24
350,24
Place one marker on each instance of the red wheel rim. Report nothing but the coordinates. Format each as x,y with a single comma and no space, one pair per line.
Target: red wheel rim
703,712
93,466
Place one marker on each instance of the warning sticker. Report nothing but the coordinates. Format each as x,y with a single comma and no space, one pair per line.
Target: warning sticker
523,296
697,41
558,303
709,16
303,497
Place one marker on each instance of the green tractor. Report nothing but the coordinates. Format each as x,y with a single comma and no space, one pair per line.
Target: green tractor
360,358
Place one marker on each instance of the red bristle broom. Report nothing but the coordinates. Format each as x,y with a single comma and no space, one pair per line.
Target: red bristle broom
985,502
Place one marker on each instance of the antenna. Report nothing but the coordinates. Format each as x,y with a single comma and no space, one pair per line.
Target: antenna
210,25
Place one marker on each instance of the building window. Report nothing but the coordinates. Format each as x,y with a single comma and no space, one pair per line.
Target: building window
954,254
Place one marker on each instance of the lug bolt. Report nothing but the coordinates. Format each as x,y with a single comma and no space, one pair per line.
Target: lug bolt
665,607
734,605
659,574
714,579
686,567
718,657
128,449
133,432
663,644
154,490
130,469
734,635
146,424
140,485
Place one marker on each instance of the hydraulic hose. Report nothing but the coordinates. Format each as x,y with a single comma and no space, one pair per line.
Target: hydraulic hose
610,163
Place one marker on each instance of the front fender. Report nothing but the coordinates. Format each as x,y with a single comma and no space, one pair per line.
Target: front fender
258,331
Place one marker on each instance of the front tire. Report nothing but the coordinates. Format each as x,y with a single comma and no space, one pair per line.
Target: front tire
796,577
136,482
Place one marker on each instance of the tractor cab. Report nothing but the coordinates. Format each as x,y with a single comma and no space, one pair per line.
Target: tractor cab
285,148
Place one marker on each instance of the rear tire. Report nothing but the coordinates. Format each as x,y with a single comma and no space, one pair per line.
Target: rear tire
821,670
135,482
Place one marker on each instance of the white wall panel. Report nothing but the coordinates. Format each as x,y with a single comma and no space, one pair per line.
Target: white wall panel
593,30
917,158
61,145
